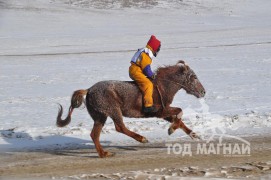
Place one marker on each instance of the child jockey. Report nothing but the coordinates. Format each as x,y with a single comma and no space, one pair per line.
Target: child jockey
140,71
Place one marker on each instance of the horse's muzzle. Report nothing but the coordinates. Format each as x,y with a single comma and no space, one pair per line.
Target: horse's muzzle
202,93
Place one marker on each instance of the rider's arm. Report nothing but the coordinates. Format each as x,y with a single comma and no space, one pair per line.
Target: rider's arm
146,65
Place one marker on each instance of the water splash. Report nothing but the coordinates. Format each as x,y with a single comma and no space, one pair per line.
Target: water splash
208,125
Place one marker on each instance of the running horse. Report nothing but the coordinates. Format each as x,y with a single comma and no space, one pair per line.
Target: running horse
116,99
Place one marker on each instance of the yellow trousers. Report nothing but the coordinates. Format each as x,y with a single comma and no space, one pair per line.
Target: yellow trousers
145,85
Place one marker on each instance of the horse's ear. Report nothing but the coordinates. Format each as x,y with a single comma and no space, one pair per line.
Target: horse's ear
183,64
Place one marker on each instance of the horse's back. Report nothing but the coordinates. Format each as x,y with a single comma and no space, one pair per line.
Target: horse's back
109,96
119,86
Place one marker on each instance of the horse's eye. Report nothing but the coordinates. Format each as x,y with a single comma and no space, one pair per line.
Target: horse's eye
193,77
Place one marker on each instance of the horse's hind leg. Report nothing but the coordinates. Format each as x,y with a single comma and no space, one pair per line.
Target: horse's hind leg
120,127
95,135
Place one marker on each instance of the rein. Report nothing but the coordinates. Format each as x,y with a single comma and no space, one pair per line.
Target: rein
174,83
161,98
160,94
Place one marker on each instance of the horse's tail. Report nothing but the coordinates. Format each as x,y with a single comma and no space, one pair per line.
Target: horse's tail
76,101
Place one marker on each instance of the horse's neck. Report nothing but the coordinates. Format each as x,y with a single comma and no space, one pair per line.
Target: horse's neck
168,90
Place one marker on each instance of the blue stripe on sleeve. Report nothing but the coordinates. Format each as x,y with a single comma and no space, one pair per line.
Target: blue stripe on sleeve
147,71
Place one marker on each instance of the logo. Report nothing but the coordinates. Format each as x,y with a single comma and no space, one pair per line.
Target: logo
214,140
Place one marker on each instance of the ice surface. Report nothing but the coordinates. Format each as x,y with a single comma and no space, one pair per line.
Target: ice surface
49,48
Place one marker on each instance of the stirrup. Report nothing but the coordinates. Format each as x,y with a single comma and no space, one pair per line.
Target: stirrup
150,109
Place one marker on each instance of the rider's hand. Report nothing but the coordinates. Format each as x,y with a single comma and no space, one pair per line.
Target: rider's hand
153,77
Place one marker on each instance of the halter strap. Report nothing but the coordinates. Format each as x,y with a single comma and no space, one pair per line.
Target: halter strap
159,92
160,95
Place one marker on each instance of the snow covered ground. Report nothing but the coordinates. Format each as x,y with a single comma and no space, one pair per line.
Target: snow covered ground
49,48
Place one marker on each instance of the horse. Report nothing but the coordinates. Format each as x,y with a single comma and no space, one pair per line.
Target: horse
116,99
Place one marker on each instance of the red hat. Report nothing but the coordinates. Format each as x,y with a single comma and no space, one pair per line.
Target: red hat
154,43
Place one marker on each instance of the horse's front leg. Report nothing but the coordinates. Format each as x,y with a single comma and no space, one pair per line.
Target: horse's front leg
174,116
176,122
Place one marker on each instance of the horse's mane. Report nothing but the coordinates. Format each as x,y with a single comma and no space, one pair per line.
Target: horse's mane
164,71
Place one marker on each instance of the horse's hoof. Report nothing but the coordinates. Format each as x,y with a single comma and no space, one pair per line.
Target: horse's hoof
194,136
170,131
144,140
107,154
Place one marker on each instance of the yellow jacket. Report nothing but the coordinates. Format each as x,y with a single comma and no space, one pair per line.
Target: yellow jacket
140,70
141,63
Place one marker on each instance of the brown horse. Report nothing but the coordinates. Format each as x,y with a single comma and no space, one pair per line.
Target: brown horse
117,99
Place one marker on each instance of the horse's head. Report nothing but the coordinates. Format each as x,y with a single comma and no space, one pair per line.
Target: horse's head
189,80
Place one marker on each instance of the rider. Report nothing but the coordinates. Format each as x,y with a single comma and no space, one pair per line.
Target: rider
140,71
